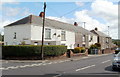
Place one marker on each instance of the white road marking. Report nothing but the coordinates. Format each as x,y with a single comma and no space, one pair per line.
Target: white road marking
49,63
106,61
12,67
2,68
39,64
34,64
85,68
44,64
22,66
26,65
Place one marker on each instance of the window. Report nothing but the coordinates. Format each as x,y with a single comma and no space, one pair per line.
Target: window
63,44
78,45
47,33
14,35
107,40
90,38
63,34
83,38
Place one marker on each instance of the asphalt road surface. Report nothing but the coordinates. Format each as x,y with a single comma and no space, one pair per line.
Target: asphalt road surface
98,66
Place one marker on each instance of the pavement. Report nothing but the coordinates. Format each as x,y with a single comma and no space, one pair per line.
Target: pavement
43,61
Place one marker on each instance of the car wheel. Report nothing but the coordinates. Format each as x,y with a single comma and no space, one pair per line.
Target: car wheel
113,68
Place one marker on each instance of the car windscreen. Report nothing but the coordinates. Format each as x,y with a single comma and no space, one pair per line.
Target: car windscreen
117,48
118,55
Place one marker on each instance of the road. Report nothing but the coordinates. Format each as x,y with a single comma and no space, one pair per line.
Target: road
98,65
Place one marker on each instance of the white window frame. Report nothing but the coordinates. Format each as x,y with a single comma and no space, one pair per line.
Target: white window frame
47,33
63,35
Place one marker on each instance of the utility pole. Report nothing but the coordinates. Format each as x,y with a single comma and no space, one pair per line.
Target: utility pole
84,24
42,51
108,30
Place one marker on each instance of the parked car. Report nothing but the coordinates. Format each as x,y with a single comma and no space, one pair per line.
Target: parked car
116,62
117,50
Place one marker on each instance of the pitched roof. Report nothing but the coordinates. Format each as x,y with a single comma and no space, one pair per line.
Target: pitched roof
50,23
21,21
99,33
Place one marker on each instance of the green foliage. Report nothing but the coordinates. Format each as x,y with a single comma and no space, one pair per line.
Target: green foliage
23,43
93,46
79,50
98,45
1,37
117,42
82,49
32,50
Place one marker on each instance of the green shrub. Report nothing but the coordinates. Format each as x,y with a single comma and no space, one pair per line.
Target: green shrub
93,46
32,50
98,45
82,49
77,50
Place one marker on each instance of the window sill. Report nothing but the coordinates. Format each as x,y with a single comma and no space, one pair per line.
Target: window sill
48,38
63,40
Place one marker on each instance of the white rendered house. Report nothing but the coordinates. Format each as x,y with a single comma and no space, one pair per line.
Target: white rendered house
29,31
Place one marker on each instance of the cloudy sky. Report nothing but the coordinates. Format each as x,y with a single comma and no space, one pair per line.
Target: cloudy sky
96,13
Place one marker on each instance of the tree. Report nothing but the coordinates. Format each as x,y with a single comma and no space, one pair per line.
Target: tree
117,42
1,37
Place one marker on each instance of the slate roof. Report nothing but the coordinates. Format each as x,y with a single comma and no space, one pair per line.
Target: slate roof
99,33
50,23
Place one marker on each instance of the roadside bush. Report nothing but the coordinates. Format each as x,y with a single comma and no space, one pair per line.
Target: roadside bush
82,49
77,50
98,45
32,50
93,47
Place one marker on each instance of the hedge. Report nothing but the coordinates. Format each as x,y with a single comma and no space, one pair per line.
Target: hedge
32,50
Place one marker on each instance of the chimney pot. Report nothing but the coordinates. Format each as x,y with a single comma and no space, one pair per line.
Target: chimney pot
96,29
75,23
41,14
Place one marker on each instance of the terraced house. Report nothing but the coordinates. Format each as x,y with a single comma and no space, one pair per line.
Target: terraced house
29,31
103,39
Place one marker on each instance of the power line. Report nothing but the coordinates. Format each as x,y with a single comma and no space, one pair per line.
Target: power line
70,12
55,12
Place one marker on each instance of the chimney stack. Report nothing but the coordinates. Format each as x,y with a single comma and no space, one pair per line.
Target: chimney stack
41,14
75,24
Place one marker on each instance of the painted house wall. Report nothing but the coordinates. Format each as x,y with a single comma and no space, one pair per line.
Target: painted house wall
93,41
70,39
78,39
36,36
36,32
33,33
22,34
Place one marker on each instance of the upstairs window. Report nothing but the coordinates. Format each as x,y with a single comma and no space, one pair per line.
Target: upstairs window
63,34
14,35
47,33
83,38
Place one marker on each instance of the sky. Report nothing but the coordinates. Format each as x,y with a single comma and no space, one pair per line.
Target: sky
96,13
